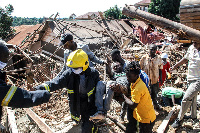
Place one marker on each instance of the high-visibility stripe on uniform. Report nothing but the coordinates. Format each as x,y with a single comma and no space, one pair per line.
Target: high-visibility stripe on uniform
75,118
91,92
46,86
93,129
9,96
70,91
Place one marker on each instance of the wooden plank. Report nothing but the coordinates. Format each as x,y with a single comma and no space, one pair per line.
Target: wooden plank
165,122
43,126
189,10
191,21
26,55
189,5
121,126
190,14
189,17
11,121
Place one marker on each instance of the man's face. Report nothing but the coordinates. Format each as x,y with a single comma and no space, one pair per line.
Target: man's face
131,77
115,57
152,49
71,45
164,59
117,67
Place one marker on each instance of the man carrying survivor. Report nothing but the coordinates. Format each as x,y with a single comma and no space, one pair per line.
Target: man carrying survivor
81,82
140,107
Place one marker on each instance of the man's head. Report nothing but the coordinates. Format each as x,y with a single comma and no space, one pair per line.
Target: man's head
115,54
164,57
132,71
78,61
197,45
117,67
67,41
4,54
152,50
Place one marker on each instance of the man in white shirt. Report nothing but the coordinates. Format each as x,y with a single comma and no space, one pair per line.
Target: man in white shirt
193,57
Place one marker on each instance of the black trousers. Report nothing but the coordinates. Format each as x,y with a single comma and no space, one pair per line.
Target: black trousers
87,125
154,89
132,125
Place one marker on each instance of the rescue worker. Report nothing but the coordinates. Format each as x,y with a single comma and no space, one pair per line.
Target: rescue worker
81,82
13,96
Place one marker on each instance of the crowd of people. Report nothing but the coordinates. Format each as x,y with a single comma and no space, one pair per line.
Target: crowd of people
134,84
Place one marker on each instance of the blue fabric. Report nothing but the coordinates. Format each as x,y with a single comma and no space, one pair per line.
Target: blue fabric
145,78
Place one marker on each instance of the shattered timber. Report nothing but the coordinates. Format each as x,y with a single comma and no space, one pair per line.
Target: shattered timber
38,58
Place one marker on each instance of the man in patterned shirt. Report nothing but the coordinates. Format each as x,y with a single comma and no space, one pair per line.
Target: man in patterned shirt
151,64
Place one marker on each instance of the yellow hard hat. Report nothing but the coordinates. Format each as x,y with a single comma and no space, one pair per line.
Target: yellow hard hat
78,58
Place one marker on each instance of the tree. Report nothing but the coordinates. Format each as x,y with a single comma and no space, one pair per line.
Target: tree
114,13
17,21
6,21
165,8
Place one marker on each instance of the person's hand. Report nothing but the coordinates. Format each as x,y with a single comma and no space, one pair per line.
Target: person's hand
168,75
108,59
115,87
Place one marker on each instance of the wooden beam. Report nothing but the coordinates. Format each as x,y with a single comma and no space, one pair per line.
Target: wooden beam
42,125
177,28
165,122
121,126
26,55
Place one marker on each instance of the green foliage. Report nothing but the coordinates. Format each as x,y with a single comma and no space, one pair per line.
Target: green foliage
114,13
6,21
165,8
17,21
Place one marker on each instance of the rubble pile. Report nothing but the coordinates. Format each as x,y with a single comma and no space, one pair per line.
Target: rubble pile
48,62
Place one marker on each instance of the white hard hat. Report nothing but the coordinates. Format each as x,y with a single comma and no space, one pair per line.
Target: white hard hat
164,55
